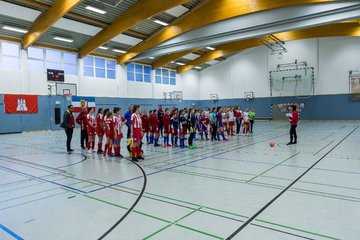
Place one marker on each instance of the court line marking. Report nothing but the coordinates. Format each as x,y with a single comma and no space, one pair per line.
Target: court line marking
287,188
131,208
17,237
201,159
294,155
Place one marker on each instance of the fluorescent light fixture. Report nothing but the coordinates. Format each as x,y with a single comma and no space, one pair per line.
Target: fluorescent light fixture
95,9
172,62
179,63
119,51
198,67
14,29
63,39
160,22
210,48
103,48
151,58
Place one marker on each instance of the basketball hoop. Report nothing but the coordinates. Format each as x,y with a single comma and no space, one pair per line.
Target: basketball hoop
178,98
68,96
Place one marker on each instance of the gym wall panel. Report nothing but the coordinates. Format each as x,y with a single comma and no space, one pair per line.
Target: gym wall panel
336,58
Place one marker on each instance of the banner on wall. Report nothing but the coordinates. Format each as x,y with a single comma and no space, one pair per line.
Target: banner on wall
19,103
79,102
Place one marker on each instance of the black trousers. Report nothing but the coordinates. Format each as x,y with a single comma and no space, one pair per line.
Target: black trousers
128,132
251,125
161,127
238,126
213,131
69,134
84,137
293,136
191,138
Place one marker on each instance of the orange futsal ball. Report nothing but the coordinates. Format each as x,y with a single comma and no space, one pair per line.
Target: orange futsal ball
272,143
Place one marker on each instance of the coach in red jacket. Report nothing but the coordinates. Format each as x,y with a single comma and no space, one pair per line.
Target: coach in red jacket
82,121
294,119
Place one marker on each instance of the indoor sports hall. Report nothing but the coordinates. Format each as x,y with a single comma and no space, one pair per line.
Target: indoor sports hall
179,119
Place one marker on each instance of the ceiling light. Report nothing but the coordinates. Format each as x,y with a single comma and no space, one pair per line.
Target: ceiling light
210,48
103,47
198,67
172,62
119,51
63,39
151,58
160,22
95,9
15,29
179,63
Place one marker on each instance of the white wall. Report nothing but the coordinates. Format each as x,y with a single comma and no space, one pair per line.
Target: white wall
332,58
29,82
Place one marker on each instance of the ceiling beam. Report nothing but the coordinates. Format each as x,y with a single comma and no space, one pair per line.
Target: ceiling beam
58,9
78,17
210,12
332,30
138,13
169,58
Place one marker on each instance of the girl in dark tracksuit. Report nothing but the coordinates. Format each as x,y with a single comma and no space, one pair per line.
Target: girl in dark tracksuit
191,126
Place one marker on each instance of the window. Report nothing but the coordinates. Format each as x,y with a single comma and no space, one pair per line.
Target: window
41,59
165,76
139,73
10,55
99,67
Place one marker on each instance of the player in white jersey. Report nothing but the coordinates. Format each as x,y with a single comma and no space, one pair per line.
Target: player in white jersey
246,121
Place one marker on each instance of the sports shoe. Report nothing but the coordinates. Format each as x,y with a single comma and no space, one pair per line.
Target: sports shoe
100,151
191,147
83,148
134,160
290,143
156,145
141,158
168,145
89,151
225,139
110,155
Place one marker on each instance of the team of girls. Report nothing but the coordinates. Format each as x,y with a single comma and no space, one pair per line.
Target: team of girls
176,125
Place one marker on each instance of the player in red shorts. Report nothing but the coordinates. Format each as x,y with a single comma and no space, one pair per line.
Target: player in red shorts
90,128
119,121
183,127
150,127
167,128
136,133
100,126
155,128
174,122
146,126
110,133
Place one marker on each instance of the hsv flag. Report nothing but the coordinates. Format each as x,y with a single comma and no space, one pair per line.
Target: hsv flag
80,102
19,103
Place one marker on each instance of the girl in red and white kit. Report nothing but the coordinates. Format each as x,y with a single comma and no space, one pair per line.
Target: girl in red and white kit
136,133
110,134
119,121
100,126
90,128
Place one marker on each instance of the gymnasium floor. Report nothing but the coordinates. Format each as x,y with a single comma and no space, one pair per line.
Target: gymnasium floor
207,193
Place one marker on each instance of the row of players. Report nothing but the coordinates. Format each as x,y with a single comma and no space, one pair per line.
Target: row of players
173,124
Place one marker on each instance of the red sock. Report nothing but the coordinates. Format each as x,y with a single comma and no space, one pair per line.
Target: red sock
106,148
138,151
110,150
99,146
92,145
88,145
117,150
133,152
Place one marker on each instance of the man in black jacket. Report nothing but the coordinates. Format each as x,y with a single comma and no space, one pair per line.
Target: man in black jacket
68,124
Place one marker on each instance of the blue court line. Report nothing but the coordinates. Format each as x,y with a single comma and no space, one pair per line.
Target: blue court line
42,179
180,165
17,237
